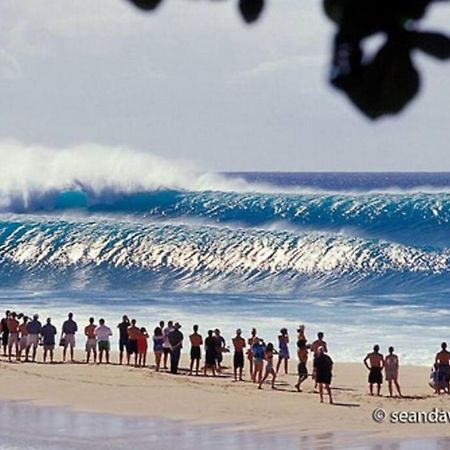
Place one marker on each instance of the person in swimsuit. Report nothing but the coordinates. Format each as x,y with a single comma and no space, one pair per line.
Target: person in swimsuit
375,369
91,341
123,337
142,346
442,361
13,336
258,349
323,366
302,353
250,342
301,337
132,349
210,354
391,366
268,356
196,352
283,350
158,340
238,357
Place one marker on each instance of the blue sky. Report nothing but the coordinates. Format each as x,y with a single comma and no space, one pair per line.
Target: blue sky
193,82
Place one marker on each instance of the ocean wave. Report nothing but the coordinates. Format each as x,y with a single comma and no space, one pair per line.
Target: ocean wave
92,253
413,219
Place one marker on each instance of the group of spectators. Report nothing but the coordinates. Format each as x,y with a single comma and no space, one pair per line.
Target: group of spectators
21,337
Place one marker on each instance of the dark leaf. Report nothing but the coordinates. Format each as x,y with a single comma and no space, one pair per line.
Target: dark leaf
146,5
434,44
251,9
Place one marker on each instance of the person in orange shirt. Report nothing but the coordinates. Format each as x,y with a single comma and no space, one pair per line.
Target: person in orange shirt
13,337
196,352
133,335
238,357
91,342
142,345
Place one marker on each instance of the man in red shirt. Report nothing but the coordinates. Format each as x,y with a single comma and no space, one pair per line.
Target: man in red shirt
13,337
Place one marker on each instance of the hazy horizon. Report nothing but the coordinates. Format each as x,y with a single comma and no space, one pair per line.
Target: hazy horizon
192,82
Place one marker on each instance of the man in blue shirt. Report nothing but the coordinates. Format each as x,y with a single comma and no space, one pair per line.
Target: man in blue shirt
69,329
34,330
48,333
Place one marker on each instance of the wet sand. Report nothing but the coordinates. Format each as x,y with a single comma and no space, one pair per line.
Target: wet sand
221,403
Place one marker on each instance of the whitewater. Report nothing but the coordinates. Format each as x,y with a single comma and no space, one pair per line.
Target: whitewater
97,228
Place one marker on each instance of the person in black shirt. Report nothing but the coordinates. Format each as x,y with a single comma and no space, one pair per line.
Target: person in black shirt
210,353
323,366
176,344
123,336
5,331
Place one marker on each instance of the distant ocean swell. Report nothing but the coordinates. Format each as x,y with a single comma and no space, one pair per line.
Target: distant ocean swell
409,218
96,252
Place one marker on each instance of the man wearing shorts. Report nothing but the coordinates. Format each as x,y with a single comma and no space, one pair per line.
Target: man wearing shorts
302,353
23,338
103,333
166,343
323,366
5,332
69,329
238,357
133,335
196,352
123,337
48,333
91,340
375,369
13,336
34,328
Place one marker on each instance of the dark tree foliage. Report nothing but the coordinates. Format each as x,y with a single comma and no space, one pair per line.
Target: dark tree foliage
381,84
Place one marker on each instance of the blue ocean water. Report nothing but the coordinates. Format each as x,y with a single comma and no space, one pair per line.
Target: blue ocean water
363,257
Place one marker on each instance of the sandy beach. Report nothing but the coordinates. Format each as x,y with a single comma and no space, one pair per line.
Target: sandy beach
129,391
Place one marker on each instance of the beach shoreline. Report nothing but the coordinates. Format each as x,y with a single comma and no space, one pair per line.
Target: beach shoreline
129,391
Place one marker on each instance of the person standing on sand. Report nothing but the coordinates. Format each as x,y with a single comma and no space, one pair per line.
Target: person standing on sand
238,357
166,344
158,340
283,350
319,342
103,333
250,341
220,348
391,366
5,332
23,339
323,366
210,354
142,347
442,361
196,353
258,350
123,337
69,329
268,356
34,328
13,336
375,369
91,340
302,352
132,348
48,333
176,344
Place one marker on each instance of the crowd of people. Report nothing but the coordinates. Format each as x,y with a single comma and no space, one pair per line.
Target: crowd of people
21,337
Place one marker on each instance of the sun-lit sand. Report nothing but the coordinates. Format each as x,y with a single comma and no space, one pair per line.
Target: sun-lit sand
143,392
